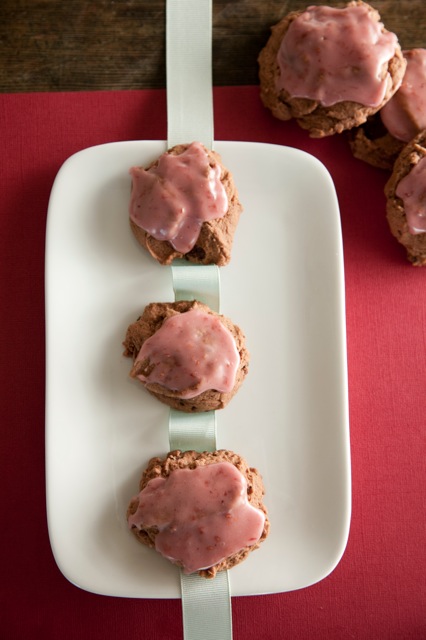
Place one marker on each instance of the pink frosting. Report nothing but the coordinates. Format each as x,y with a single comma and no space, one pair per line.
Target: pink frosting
331,55
173,198
405,113
191,353
412,191
203,515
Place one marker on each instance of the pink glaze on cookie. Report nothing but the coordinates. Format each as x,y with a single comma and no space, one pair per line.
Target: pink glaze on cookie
412,191
331,55
405,113
203,515
190,353
173,198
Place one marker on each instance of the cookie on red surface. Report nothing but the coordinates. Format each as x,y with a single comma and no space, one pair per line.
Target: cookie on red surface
372,143
187,356
330,68
406,200
380,140
185,205
202,511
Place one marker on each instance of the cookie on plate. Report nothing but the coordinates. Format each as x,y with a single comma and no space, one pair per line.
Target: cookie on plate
185,205
406,199
381,139
187,356
330,68
202,511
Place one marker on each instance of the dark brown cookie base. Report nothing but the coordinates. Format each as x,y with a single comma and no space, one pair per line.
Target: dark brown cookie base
150,321
415,245
214,244
373,144
310,114
162,467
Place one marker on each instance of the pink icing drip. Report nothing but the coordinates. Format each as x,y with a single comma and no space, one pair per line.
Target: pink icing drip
412,191
173,198
203,515
331,55
191,352
405,113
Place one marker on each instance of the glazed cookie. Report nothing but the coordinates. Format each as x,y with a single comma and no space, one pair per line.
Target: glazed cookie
406,200
330,68
380,140
185,205
187,356
202,511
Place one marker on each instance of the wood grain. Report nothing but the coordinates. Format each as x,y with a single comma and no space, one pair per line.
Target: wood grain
56,45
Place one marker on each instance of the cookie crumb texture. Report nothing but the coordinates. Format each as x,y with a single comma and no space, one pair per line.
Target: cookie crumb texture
216,236
151,320
373,144
314,115
414,243
163,467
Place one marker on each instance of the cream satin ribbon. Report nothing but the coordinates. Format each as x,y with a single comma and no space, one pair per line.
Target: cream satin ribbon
189,72
206,604
197,282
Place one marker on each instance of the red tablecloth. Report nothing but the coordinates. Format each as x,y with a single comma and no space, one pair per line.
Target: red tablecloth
378,588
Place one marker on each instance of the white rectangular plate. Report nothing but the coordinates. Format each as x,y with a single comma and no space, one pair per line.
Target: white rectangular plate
284,287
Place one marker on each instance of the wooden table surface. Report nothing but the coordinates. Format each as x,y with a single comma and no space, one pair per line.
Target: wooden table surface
55,45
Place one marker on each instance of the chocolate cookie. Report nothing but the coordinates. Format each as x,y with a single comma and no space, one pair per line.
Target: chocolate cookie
406,200
223,500
185,205
372,143
330,68
381,139
179,372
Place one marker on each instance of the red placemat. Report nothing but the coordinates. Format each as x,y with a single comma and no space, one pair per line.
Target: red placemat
378,589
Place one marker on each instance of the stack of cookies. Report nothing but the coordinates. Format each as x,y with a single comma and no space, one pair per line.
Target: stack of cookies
338,70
